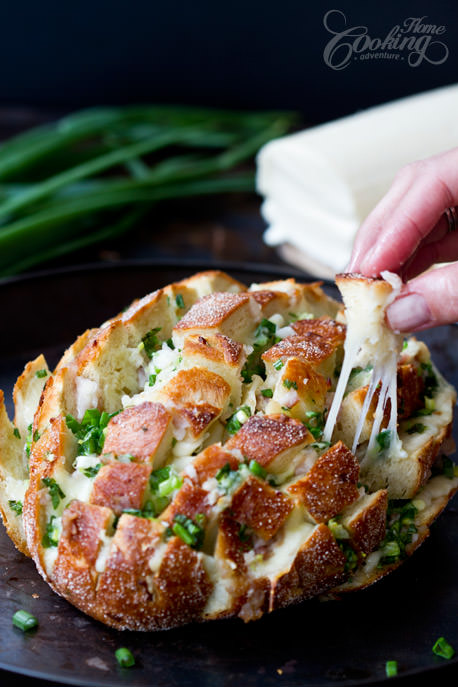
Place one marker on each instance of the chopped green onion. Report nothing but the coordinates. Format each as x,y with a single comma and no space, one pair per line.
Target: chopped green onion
150,342
41,373
290,384
179,301
237,419
443,648
383,440
337,529
124,657
278,364
24,620
55,491
391,667
90,431
51,535
267,393
16,506
185,528
91,471
257,469
223,472
170,344
417,428
320,445
16,433
152,379
430,379
448,467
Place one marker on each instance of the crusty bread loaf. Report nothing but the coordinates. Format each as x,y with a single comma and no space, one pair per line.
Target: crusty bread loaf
173,469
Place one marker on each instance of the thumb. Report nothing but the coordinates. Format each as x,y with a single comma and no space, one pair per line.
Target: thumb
427,301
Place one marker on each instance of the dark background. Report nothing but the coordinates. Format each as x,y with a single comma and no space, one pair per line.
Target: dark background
237,54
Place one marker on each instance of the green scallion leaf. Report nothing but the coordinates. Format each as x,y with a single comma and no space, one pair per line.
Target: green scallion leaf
383,440
16,506
267,393
391,668
180,301
55,491
443,648
278,364
151,342
290,384
257,469
124,657
41,374
417,428
16,433
24,620
185,528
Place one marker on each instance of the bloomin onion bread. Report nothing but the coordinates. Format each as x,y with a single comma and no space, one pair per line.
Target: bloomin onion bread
217,450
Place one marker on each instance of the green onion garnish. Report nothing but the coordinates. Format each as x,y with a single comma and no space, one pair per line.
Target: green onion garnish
290,384
267,393
51,535
278,364
91,471
16,506
383,440
90,431
417,428
41,373
443,648
55,491
124,657
24,620
391,668
179,301
16,433
150,342
185,528
257,469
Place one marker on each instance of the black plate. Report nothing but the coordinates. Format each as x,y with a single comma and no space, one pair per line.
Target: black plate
346,642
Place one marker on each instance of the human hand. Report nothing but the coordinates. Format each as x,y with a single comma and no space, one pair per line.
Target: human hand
406,233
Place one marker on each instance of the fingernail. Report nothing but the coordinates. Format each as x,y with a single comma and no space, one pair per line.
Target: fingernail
408,313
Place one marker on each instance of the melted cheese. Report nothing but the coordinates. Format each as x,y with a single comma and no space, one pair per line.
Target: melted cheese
369,341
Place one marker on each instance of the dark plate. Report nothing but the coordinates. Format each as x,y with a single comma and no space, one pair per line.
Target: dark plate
344,642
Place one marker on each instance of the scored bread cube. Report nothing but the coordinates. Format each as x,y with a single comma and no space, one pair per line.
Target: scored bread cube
365,520
271,440
190,500
318,565
259,507
232,314
208,282
272,302
156,310
78,550
149,584
219,354
329,485
211,460
196,398
121,486
143,431
304,298
297,388
311,348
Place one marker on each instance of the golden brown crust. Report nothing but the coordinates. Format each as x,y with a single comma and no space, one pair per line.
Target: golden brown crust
330,485
120,486
259,507
264,438
318,565
139,431
225,542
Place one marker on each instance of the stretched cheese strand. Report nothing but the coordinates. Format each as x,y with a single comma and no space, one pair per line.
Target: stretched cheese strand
369,341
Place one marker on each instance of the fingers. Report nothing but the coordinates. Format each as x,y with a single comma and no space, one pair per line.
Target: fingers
407,215
427,301
444,250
